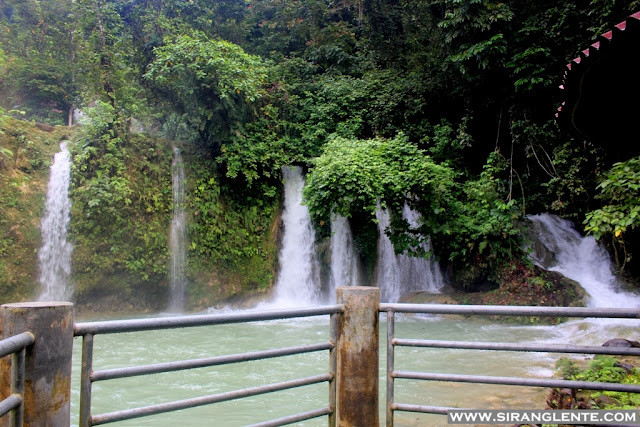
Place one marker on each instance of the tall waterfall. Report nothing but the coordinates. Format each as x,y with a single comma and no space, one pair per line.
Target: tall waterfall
55,253
298,282
345,270
401,274
178,236
579,258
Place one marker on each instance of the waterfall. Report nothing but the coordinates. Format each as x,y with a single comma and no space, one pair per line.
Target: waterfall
55,253
579,258
298,282
178,236
344,260
388,274
399,274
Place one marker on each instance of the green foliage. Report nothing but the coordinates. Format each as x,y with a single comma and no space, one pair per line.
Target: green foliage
226,231
121,204
620,195
213,83
603,369
463,219
37,38
620,190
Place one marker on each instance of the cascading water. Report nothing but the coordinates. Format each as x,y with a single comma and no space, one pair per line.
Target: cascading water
420,273
344,260
388,274
401,274
55,253
579,258
298,282
178,236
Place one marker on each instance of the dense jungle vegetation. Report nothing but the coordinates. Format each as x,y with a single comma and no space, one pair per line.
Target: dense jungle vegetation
445,105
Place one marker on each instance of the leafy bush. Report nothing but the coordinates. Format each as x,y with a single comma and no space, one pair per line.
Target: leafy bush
603,369
620,192
463,219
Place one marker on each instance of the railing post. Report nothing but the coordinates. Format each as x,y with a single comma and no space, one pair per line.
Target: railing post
357,347
47,373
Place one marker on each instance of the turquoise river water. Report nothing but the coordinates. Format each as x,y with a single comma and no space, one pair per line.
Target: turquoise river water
137,348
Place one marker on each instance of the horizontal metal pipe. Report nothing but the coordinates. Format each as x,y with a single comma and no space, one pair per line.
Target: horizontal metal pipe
16,343
157,323
294,418
547,348
530,382
109,374
631,313
10,403
205,400
440,410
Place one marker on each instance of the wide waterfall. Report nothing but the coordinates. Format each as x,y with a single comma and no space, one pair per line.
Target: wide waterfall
579,258
399,274
345,270
178,236
298,282
55,253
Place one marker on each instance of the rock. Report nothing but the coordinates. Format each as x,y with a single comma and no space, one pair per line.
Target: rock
45,127
621,342
626,366
422,297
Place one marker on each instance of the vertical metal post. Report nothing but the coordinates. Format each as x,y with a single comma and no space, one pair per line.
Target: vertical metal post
85,380
390,365
47,363
17,386
357,364
333,361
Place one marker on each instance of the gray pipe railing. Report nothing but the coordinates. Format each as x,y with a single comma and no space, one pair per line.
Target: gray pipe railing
39,336
88,376
466,310
15,346
352,375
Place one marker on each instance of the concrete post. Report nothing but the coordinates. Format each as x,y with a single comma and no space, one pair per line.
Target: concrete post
357,351
47,388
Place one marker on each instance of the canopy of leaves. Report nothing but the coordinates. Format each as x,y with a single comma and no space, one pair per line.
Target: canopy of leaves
213,82
463,218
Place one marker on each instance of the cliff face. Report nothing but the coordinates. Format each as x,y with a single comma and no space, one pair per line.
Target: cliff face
120,259
26,153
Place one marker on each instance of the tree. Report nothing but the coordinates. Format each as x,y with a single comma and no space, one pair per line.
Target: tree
213,83
38,41
620,194
466,220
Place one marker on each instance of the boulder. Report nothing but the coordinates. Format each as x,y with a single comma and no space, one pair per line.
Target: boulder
621,342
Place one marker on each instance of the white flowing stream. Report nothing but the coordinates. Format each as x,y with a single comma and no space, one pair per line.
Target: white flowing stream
297,285
178,236
55,253
400,274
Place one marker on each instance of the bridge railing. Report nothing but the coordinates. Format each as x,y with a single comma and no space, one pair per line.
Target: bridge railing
39,337
16,346
88,376
468,310
352,375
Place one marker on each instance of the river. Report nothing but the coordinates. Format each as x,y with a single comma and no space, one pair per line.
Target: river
139,348
297,285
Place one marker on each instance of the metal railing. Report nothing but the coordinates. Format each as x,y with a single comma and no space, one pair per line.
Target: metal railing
15,346
88,330
466,310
